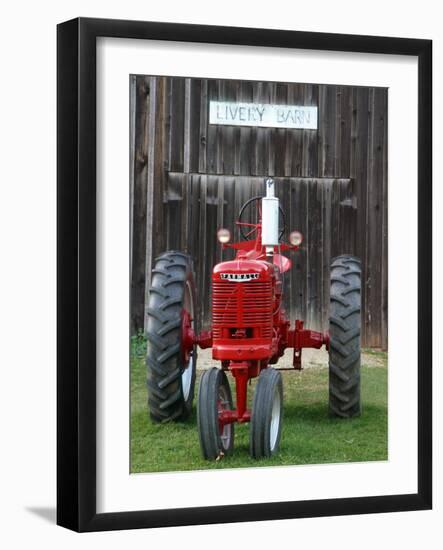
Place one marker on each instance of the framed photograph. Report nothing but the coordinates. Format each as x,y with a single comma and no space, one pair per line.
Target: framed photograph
244,274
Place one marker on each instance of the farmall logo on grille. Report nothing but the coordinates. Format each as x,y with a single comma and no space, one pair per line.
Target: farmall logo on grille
239,277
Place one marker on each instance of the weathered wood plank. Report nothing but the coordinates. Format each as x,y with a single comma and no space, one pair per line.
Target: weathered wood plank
212,131
283,188
375,215
212,248
336,245
299,273
132,123
229,212
384,207
187,127
343,131
227,142
203,148
203,267
246,138
261,94
278,136
139,179
309,166
348,217
327,155
358,167
327,208
150,200
177,124
173,203
294,138
313,244
195,93
194,224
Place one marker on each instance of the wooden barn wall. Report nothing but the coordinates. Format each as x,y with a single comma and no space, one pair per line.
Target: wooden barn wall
189,177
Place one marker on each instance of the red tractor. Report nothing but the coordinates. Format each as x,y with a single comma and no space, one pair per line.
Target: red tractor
249,333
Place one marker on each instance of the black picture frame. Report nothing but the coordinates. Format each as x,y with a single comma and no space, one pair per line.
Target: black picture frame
76,265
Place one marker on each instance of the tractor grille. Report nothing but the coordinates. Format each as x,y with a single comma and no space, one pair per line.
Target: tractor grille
242,305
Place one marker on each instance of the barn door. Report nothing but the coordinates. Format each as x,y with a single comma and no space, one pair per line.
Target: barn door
196,205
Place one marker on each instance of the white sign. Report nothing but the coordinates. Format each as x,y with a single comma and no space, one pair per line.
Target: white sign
263,114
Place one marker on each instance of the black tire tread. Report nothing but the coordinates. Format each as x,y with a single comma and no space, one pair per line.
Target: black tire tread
259,444
345,328
163,361
207,414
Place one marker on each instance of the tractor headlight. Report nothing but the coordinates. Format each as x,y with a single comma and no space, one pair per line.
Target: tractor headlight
295,238
223,235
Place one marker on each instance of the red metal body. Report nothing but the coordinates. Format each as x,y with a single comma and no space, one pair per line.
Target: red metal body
250,329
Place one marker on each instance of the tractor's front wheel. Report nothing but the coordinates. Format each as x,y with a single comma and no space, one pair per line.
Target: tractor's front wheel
171,371
214,397
267,413
344,333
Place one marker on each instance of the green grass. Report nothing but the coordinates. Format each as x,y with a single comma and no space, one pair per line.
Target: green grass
309,435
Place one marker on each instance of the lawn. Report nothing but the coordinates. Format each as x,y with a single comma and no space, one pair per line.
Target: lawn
309,435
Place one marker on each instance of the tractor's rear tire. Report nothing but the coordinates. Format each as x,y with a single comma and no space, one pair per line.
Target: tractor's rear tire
267,415
344,332
214,395
170,379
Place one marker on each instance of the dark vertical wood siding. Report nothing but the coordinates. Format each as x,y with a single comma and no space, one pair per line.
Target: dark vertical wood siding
139,194
332,183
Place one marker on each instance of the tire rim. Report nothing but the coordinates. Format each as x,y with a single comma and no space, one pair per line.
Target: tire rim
275,419
224,405
188,371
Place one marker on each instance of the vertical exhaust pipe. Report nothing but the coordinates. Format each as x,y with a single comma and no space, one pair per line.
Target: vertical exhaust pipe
270,214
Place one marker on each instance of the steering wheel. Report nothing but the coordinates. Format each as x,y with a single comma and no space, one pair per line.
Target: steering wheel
249,227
